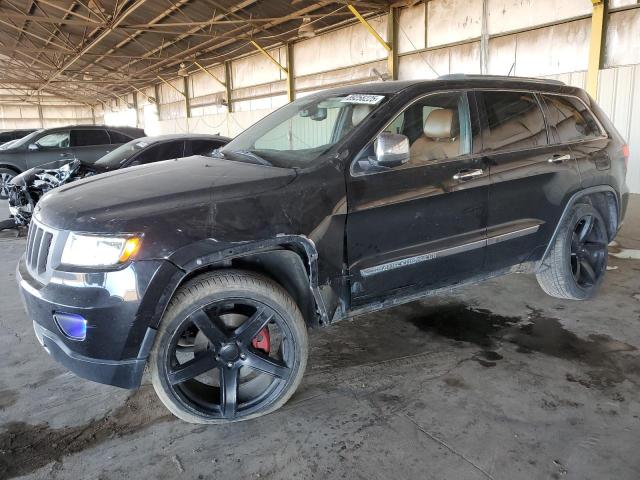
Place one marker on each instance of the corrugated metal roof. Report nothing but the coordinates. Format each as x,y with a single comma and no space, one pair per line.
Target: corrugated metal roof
89,49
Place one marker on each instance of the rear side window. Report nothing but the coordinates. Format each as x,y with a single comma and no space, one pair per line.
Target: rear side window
204,147
514,121
162,151
117,137
570,119
87,138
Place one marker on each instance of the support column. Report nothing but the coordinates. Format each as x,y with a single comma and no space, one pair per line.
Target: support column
187,100
596,45
40,112
291,87
392,41
156,90
227,84
484,39
135,106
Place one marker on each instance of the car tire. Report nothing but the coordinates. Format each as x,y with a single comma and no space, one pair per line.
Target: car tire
6,175
203,312
575,265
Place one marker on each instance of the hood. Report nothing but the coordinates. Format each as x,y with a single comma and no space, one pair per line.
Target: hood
169,194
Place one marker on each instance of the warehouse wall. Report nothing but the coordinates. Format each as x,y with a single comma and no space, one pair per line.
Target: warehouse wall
514,37
51,112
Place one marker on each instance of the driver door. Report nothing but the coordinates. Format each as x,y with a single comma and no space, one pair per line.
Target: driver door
51,147
421,224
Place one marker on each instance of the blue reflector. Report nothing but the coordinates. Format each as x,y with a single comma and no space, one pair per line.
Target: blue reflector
72,325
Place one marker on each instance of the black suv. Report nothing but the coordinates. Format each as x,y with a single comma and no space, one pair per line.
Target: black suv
351,200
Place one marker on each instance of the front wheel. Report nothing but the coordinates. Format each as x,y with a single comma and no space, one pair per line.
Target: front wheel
6,176
577,260
231,346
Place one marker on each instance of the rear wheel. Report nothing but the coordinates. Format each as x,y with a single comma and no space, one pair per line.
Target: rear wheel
6,175
577,261
231,346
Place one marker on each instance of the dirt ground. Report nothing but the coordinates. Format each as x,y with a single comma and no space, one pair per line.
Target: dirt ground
496,381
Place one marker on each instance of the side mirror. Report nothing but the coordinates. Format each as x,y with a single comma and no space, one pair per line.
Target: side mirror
33,147
392,150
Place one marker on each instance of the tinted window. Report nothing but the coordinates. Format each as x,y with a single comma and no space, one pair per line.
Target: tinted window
204,147
437,127
117,137
162,151
570,118
513,121
87,138
54,140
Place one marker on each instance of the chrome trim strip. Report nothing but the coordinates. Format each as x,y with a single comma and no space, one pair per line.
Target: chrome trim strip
405,262
367,272
510,235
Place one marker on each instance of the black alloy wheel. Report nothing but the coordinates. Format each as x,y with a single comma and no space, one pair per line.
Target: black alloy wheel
588,250
231,346
214,366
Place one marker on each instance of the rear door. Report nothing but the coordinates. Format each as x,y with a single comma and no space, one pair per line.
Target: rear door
531,176
422,224
573,125
89,145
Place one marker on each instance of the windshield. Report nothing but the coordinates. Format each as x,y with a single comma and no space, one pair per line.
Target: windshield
299,133
114,159
22,141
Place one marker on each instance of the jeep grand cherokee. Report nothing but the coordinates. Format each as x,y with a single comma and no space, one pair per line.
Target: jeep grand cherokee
210,270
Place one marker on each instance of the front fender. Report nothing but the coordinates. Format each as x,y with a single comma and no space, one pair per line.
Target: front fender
208,254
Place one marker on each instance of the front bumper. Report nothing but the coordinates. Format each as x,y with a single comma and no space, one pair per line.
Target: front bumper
118,338
124,373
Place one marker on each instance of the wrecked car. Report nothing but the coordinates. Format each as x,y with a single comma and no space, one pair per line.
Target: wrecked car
210,270
84,142
26,189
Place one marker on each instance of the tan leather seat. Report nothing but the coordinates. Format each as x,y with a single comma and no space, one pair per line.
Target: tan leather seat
520,131
359,113
440,139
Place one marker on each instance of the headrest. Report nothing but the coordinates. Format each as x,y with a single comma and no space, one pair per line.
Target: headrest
440,124
358,113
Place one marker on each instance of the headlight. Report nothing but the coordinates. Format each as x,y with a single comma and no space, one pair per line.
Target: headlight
97,251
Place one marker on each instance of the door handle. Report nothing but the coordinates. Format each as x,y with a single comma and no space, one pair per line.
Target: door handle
559,158
468,174
65,154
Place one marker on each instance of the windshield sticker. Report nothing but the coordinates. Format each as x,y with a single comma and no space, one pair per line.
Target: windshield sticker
361,98
142,144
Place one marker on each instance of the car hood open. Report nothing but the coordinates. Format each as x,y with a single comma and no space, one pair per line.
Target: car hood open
129,199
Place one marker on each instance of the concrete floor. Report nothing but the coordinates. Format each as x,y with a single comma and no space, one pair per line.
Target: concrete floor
496,381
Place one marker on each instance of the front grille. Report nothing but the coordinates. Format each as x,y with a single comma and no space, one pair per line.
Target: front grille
38,248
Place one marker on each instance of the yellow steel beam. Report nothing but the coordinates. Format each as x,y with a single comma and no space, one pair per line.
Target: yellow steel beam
266,54
210,74
167,83
368,26
595,45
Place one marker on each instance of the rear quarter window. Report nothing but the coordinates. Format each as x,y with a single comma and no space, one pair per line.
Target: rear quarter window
570,119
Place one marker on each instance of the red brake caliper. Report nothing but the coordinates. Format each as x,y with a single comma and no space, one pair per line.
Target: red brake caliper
262,341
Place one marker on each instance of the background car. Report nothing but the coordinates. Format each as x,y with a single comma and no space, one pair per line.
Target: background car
26,189
87,143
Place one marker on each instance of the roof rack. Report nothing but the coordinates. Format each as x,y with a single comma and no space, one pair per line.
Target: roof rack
464,76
